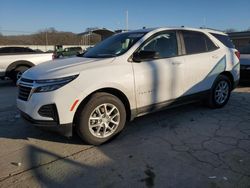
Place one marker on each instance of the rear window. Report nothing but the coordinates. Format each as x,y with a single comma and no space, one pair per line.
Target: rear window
15,50
224,39
4,50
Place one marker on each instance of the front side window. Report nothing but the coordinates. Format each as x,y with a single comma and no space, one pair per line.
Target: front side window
196,42
165,45
115,45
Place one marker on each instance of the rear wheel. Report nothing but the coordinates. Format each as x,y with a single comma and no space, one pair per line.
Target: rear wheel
17,73
102,117
220,93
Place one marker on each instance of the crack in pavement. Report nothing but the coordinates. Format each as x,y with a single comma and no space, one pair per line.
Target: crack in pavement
2,179
218,156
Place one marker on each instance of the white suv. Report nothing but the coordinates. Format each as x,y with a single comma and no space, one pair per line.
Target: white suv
128,75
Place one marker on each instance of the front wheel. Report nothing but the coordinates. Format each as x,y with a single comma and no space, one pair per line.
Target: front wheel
101,118
220,92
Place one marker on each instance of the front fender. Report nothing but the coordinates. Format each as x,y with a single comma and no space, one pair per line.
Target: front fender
92,89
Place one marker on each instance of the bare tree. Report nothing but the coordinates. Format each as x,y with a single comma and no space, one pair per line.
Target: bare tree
230,30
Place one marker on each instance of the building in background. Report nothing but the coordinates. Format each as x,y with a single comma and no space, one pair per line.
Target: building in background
93,36
240,39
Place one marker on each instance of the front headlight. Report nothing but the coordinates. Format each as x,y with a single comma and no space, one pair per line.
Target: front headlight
53,84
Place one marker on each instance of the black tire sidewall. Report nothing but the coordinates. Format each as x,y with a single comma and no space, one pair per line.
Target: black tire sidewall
87,109
16,71
213,102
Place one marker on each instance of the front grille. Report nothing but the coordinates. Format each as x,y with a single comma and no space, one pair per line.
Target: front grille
26,80
49,110
24,92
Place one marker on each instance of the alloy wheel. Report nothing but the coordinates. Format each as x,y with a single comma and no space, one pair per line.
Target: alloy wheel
221,92
104,120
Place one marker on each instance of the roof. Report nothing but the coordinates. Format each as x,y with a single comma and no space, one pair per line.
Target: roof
214,31
206,30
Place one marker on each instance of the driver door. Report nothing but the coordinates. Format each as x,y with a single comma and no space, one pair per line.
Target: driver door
157,79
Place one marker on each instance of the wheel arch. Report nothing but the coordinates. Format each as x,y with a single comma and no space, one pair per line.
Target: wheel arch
230,76
16,64
113,91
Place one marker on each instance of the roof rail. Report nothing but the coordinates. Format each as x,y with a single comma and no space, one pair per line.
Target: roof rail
211,29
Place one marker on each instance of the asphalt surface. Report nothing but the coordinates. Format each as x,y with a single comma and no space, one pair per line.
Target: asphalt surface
189,146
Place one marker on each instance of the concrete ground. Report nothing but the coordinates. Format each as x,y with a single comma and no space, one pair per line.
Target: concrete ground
189,146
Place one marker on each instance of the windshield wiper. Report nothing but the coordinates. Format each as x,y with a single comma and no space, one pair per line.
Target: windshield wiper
106,55
100,56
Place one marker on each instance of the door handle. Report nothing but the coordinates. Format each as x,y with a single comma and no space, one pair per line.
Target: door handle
176,63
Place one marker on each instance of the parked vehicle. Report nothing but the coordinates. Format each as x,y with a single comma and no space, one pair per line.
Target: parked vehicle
245,63
67,52
128,75
8,50
15,60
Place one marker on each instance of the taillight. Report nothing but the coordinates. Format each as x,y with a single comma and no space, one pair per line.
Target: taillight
237,53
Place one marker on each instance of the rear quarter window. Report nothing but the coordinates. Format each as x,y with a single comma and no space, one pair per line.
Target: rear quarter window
197,42
7,50
224,39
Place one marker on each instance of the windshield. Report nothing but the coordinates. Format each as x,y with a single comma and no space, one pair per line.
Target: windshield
115,45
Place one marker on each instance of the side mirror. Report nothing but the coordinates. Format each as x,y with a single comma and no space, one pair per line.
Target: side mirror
145,55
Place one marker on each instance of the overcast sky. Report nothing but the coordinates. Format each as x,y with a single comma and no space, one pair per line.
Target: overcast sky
24,16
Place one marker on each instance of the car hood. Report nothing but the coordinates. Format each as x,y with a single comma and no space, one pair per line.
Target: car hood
63,67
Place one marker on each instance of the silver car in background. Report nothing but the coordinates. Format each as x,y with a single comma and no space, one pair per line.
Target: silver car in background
245,63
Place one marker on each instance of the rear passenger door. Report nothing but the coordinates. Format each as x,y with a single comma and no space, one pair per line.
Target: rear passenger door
201,58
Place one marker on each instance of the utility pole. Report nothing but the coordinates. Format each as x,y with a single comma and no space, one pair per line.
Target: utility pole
46,38
204,22
127,20
89,38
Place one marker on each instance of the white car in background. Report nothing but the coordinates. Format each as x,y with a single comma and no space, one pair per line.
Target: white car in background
14,61
128,75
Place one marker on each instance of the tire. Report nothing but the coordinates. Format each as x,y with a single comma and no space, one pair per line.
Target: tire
96,125
17,73
220,92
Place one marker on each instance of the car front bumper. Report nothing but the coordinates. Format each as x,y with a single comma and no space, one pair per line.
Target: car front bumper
63,103
58,117
62,129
